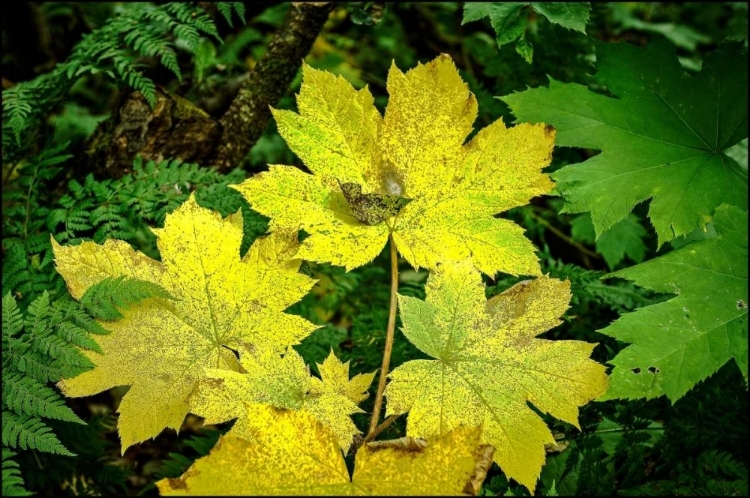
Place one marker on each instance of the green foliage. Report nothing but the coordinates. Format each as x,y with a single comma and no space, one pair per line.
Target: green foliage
27,259
509,19
680,164
177,463
43,347
228,8
140,30
30,433
12,480
123,208
119,208
680,35
587,288
694,451
96,469
694,446
700,329
625,238
105,300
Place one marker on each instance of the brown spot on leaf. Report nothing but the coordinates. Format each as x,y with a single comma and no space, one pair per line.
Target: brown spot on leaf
177,484
213,383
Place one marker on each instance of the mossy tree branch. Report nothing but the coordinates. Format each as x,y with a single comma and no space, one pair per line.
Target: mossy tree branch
185,131
249,112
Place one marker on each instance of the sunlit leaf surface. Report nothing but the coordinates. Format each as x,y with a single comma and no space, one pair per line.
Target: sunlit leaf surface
488,364
161,348
411,162
293,454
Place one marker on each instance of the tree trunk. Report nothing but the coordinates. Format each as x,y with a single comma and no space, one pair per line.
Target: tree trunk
177,128
248,116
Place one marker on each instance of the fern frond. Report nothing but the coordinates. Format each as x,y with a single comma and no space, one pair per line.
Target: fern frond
26,259
36,318
721,463
12,481
192,19
16,108
112,295
22,431
226,9
141,29
70,332
26,396
57,348
85,321
12,318
151,42
16,272
38,367
588,285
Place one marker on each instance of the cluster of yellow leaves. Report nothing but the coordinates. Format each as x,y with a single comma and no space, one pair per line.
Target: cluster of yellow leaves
487,365
417,152
222,348
223,303
283,383
293,454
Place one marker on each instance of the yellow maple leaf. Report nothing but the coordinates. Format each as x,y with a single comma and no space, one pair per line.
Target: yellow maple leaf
161,348
334,378
294,454
366,167
488,364
282,382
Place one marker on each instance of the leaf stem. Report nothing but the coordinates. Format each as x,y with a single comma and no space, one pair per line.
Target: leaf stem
373,434
388,340
560,234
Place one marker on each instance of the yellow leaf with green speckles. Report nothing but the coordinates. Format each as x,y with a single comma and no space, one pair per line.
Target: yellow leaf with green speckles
282,382
412,172
335,377
161,348
293,454
488,364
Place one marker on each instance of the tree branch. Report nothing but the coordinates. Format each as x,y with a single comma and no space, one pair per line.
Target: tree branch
249,113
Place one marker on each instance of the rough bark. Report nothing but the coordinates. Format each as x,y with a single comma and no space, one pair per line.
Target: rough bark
177,128
174,128
249,113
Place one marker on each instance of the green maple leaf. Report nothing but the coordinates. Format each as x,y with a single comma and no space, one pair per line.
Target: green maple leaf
664,138
509,19
678,343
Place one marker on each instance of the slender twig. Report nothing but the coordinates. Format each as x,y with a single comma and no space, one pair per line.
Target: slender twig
373,434
622,429
388,339
567,239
